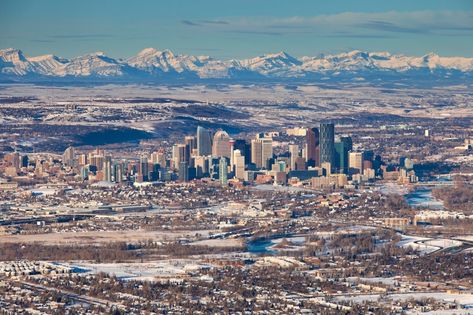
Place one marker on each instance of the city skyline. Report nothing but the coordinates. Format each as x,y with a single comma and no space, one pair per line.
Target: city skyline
236,157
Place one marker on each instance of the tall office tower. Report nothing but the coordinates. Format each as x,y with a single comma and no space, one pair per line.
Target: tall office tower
201,164
96,152
356,161
256,153
143,168
232,149
82,159
312,147
107,169
221,144
24,161
84,172
184,171
159,157
261,151
327,142
214,167
154,172
342,149
117,172
245,149
223,171
204,143
69,156
348,142
294,154
178,155
154,157
97,161
239,164
266,151
191,143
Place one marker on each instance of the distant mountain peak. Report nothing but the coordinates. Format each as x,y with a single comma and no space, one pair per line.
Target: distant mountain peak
281,54
94,54
148,51
154,52
12,55
151,63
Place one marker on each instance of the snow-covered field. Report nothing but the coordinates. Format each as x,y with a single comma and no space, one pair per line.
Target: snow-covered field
148,271
261,99
427,245
228,242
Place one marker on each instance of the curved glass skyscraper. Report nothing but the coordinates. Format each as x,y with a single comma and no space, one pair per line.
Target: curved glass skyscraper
204,143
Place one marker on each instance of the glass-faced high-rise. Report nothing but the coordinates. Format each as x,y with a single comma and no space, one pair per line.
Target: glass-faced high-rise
327,143
204,143
223,168
342,148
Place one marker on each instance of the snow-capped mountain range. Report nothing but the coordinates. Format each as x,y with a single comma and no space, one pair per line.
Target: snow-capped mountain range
152,64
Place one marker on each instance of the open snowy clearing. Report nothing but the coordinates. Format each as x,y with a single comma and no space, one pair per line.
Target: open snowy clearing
148,271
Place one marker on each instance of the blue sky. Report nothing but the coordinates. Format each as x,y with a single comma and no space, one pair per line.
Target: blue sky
237,29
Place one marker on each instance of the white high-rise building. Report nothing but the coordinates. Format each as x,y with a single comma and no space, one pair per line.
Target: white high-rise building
69,156
294,152
239,164
261,151
267,150
159,157
355,161
178,155
107,169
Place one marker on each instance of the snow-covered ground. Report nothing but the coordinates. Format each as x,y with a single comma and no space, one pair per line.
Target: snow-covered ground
427,245
466,238
148,271
227,242
465,300
393,188
386,281
443,243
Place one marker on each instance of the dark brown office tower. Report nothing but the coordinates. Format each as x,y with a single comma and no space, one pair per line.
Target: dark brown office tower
312,149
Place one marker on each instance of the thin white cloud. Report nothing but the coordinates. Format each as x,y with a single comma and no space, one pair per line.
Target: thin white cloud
358,23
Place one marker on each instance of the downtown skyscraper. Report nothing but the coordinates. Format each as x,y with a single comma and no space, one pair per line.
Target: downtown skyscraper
327,143
204,142
312,147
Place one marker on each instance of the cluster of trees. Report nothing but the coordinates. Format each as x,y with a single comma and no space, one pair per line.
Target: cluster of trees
394,202
441,267
109,252
458,197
